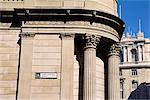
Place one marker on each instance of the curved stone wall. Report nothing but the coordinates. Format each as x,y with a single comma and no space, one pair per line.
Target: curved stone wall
76,79
108,6
99,79
51,34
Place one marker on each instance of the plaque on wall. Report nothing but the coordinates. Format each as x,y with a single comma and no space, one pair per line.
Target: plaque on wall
46,75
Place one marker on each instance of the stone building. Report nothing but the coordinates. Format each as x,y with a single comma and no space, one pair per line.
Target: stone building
134,65
59,50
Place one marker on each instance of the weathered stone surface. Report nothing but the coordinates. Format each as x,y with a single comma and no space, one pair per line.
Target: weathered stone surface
39,45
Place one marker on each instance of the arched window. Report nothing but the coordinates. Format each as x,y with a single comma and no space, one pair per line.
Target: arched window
134,55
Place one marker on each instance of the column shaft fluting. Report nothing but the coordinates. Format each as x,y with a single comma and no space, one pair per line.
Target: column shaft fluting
113,73
89,74
90,67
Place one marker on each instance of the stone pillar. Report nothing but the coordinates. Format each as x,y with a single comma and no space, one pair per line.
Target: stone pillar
89,92
67,66
139,53
25,71
129,54
143,53
124,54
113,73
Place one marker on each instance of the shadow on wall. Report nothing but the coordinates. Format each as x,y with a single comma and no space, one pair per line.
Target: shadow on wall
141,93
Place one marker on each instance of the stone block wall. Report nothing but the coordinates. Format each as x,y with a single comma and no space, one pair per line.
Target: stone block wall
9,54
46,58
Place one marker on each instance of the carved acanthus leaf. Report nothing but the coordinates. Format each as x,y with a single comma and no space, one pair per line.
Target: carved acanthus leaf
91,40
115,49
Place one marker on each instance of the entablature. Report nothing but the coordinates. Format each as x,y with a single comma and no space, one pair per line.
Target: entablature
73,17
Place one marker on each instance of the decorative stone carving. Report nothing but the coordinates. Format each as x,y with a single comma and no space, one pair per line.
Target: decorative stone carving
74,24
91,41
67,35
27,35
115,49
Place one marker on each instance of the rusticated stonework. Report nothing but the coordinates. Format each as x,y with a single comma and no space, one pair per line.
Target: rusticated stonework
91,41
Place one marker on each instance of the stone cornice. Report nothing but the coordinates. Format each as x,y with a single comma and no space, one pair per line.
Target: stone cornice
62,15
81,24
80,27
133,65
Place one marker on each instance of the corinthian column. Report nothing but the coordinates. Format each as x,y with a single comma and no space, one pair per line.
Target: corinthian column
90,67
113,73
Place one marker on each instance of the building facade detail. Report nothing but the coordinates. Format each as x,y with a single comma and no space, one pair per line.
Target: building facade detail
51,46
27,35
67,35
115,49
135,66
113,72
91,41
67,69
25,71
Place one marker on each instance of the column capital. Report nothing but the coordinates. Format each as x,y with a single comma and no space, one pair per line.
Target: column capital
115,49
91,41
27,35
140,44
67,35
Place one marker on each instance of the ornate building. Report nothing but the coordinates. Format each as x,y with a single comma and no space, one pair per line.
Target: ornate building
135,65
59,50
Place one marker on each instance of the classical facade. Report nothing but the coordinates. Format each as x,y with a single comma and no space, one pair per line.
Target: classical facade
59,50
134,65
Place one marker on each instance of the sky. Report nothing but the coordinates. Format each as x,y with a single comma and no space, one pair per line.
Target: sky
132,11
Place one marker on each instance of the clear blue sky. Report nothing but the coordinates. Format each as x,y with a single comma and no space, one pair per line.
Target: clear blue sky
132,11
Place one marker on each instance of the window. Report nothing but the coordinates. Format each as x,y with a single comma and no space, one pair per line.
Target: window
134,72
121,88
121,56
120,72
134,55
134,84
141,51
